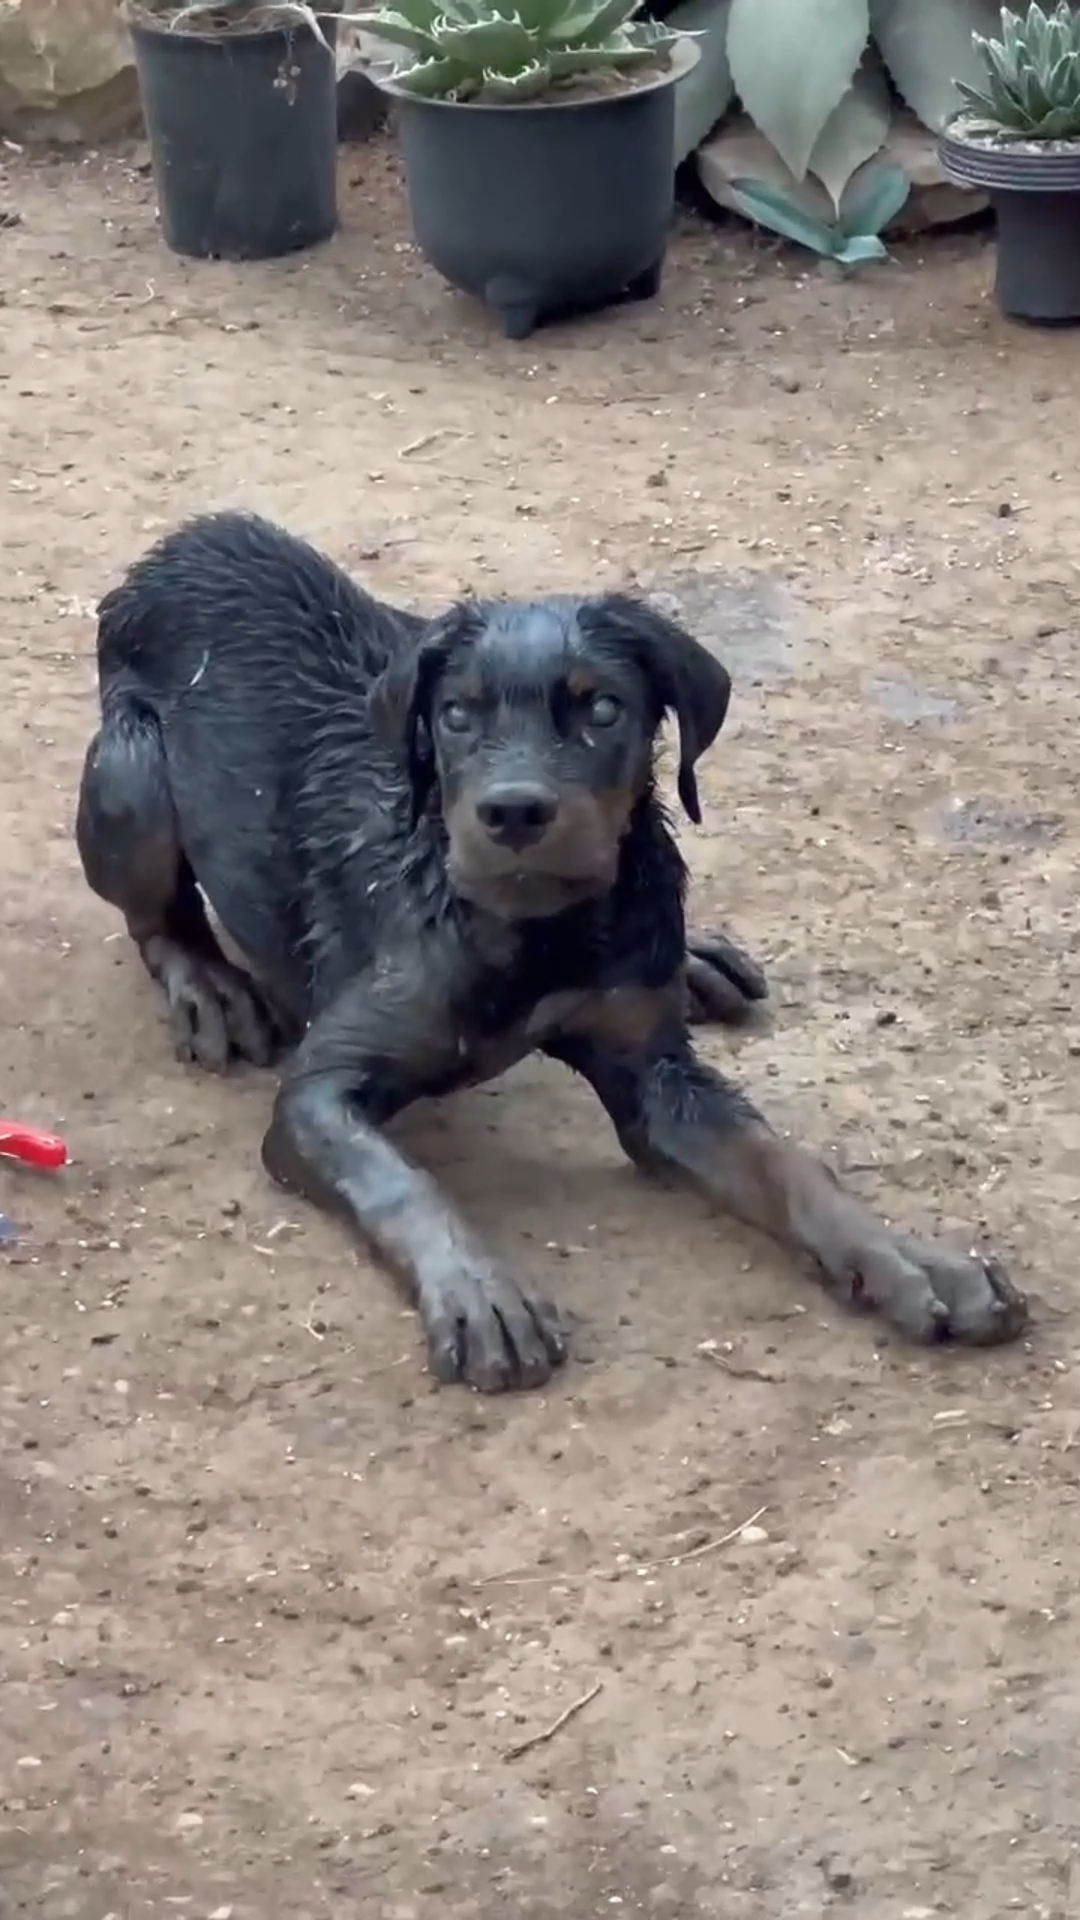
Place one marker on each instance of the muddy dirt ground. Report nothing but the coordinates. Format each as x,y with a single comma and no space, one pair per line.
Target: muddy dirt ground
274,1612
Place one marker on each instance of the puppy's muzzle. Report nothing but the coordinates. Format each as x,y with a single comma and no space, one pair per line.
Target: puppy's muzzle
517,814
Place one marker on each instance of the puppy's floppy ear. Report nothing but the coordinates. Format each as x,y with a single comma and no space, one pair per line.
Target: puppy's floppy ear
399,705
685,679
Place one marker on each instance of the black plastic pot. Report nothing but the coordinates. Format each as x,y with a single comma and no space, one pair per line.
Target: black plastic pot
550,207
243,138
1036,198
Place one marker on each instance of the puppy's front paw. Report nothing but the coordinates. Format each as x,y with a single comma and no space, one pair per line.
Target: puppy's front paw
723,983
481,1329
982,1305
932,1293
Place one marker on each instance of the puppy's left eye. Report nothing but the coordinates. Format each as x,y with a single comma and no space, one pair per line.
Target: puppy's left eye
602,710
454,716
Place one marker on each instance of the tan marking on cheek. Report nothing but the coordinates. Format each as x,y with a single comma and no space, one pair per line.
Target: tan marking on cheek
615,805
470,844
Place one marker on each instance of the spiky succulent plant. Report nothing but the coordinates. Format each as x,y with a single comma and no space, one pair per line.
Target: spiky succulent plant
512,50
1032,89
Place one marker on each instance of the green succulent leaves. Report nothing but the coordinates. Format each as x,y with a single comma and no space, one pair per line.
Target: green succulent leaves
850,239
513,50
1032,89
819,80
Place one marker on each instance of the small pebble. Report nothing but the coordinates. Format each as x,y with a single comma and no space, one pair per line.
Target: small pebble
840,1879
753,1536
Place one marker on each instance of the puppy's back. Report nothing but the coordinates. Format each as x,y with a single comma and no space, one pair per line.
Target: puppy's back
234,585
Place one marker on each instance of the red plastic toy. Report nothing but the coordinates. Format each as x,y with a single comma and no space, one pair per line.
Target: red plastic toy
31,1146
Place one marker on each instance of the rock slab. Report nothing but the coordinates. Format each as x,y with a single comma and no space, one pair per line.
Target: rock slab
66,71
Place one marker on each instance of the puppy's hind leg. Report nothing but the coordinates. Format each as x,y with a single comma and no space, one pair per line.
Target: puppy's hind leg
129,843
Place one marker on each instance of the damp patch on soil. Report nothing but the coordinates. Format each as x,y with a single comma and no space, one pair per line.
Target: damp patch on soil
978,823
752,624
904,700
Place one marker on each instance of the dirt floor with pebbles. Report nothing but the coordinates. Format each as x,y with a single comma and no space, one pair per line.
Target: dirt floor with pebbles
275,1614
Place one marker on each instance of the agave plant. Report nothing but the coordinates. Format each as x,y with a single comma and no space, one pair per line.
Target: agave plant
513,50
1032,89
821,81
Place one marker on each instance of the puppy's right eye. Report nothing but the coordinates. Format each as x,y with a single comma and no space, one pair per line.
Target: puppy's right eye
454,716
603,711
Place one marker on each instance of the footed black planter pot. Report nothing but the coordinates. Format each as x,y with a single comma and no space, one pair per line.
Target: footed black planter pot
243,138
551,207
1036,198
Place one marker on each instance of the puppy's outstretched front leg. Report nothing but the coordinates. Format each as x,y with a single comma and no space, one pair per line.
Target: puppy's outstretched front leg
674,1114
376,1050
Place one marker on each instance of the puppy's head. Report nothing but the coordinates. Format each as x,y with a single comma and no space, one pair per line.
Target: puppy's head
536,724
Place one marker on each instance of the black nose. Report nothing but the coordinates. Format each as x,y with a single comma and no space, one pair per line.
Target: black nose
517,816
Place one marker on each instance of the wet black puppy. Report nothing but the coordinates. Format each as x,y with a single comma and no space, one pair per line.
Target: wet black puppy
438,847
